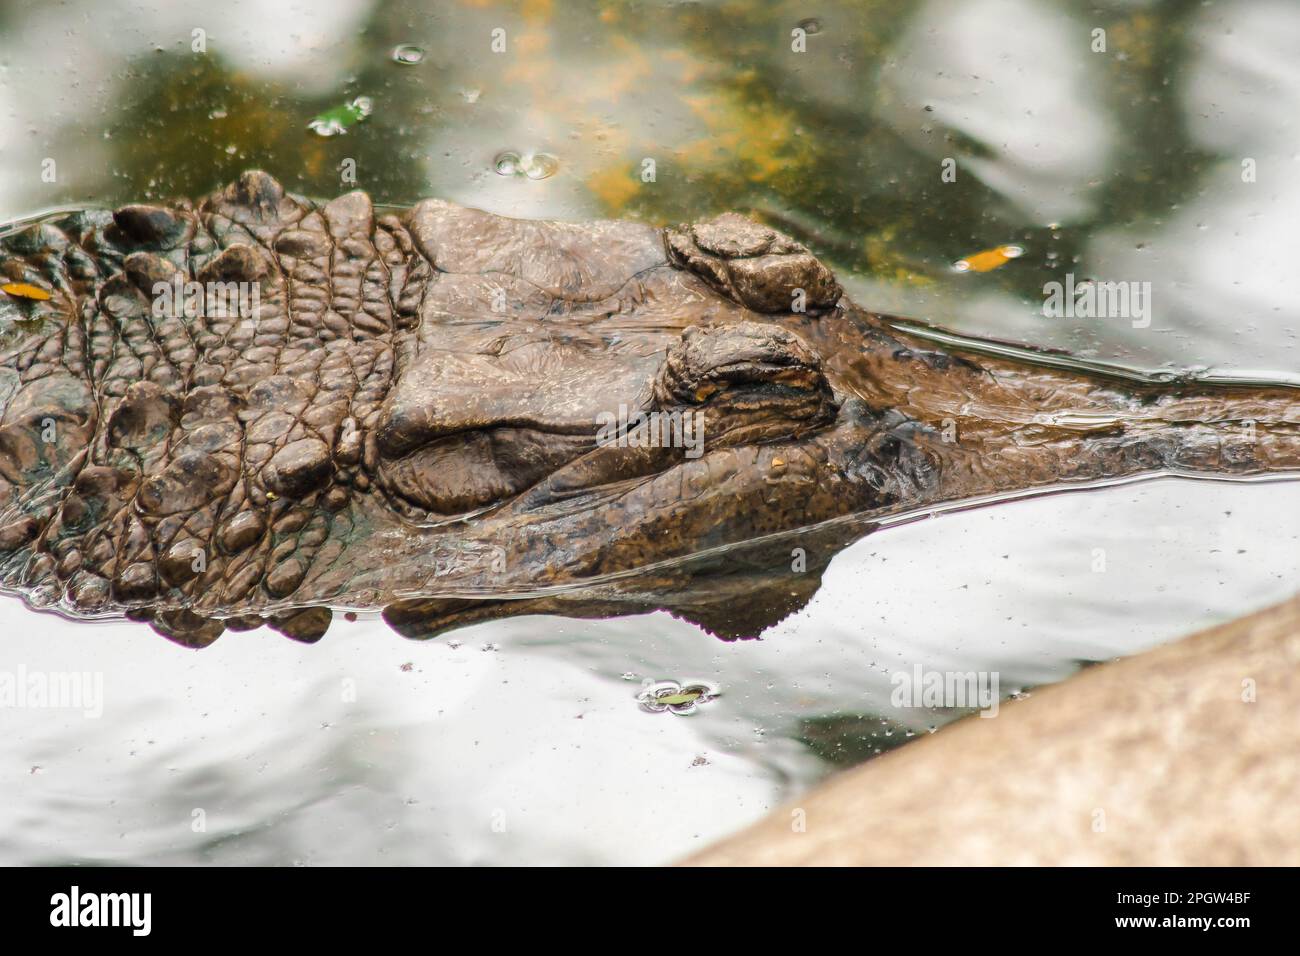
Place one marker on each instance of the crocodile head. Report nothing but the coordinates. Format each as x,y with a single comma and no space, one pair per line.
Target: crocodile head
255,407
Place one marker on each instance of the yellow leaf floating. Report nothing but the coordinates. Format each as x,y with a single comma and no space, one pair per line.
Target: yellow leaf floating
21,290
989,259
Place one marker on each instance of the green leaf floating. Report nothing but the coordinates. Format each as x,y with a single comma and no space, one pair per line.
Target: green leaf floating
338,120
679,698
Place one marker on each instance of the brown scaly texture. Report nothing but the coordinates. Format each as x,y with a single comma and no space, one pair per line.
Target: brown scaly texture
409,418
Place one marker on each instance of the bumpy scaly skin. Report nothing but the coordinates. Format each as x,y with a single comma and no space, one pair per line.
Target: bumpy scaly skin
408,421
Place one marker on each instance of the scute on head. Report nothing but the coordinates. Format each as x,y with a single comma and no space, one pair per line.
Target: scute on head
754,265
733,236
47,423
143,417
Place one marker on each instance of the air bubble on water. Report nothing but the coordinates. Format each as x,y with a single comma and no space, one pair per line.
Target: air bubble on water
363,106
407,54
628,675
532,165
217,114
507,163
540,165
1013,252
471,96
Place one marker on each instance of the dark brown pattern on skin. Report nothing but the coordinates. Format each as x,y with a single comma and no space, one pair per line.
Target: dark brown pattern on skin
409,421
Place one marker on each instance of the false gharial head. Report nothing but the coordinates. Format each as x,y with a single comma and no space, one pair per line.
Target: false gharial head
255,407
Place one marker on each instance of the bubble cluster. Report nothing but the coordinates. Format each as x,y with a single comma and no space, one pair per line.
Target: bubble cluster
532,165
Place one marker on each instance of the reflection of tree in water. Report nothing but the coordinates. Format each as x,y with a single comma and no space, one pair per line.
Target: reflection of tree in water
848,189
770,131
188,124
846,740
1158,163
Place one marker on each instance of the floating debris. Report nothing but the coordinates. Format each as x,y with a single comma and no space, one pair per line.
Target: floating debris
533,165
23,290
811,26
989,259
681,699
408,54
338,120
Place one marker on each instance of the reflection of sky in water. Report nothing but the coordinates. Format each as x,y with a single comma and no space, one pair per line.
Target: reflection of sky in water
1224,262
543,734
1020,92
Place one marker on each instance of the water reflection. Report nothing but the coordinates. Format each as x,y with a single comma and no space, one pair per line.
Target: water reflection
368,748
1115,163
